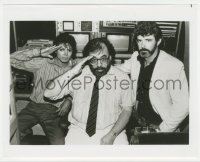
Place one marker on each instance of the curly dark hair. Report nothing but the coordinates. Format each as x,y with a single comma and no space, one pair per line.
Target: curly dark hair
95,44
66,38
147,28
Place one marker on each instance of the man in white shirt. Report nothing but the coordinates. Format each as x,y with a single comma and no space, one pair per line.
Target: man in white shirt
102,97
160,87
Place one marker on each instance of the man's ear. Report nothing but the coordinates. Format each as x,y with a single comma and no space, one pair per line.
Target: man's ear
159,41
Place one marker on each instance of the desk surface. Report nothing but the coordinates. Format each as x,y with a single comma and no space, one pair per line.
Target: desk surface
156,138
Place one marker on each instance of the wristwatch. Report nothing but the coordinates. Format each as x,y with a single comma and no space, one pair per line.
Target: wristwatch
36,52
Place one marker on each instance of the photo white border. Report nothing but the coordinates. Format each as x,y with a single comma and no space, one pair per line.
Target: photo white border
35,11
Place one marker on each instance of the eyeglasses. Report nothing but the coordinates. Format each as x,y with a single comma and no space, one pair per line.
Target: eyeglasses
102,60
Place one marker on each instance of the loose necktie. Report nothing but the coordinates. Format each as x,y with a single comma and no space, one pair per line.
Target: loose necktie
92,115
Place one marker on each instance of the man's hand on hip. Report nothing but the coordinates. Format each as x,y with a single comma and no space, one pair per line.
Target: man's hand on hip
65,107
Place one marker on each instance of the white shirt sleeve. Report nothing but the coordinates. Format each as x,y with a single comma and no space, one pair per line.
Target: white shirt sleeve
127,101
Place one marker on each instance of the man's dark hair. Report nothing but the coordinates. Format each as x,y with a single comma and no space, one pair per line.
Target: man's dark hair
95,44
66,38
145,28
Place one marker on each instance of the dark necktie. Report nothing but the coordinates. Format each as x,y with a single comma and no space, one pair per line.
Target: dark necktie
92,115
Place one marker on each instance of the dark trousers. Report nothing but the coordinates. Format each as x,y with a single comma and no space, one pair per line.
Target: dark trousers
47,117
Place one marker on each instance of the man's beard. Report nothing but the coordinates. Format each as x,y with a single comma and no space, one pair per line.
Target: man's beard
100,71
146,53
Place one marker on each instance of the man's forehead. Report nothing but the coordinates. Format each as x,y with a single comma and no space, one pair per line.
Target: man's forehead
65,45
100,52
148,36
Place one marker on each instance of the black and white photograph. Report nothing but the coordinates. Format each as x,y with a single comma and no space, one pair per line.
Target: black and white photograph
100,82
105,82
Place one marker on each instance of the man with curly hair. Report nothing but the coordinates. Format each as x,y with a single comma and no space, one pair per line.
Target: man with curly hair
160,87
46,64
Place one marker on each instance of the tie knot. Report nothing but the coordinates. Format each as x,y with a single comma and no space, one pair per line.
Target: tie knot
97,79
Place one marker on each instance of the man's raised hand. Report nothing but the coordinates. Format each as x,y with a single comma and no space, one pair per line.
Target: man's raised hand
46,52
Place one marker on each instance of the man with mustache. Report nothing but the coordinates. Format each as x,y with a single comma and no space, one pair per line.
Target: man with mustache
101,104
160,86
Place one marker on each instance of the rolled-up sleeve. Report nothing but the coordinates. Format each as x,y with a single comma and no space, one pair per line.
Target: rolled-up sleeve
24,60
127,101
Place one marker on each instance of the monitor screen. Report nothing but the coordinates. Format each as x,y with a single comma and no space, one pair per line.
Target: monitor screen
121,43
68,26
81,40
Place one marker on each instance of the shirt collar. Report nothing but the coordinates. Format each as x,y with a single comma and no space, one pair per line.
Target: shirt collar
140,59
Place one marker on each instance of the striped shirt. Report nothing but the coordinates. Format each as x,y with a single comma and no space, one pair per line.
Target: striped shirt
44,70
